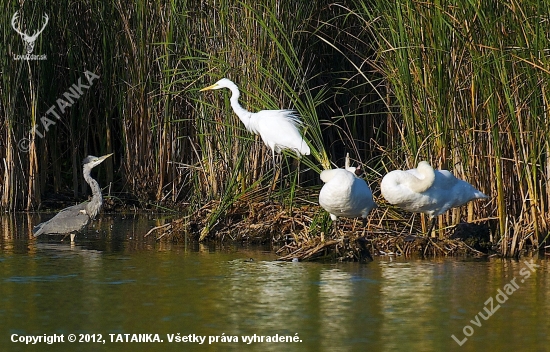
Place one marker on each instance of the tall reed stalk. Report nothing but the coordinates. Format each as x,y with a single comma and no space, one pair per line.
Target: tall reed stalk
151,60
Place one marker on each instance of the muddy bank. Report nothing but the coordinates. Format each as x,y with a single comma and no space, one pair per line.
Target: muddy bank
305,233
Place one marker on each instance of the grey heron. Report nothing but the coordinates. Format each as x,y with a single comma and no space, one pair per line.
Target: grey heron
72,219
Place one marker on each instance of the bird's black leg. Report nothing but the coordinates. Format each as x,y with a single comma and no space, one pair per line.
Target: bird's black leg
429,233
298,168
273,183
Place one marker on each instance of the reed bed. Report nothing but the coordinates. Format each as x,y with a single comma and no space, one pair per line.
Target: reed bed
463,85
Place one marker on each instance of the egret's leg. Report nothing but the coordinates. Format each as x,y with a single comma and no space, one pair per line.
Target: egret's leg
335,227
298,168
275,173
274,163
334,224
281,177
429,233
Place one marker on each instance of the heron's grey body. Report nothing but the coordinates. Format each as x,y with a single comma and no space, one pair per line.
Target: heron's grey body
72,219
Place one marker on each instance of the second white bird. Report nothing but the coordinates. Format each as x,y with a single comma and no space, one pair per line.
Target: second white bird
345,194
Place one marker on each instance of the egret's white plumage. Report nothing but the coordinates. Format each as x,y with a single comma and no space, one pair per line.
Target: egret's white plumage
277,128
345,194
428,191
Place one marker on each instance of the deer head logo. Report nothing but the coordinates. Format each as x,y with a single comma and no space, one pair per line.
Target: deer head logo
28,39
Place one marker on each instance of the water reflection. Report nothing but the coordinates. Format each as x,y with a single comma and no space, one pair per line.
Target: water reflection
406,296
115,281
335,306
269,291
110,233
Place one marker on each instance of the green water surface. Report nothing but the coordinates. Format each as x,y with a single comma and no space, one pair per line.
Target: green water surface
113,282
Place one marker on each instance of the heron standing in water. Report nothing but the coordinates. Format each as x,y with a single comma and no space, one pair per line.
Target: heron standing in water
72,219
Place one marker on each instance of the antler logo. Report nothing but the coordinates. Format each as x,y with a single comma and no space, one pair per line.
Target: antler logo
28,39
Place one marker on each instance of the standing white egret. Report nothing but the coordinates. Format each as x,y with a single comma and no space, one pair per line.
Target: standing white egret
277,128
345,194
428,191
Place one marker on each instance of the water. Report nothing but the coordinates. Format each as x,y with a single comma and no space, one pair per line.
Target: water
113,281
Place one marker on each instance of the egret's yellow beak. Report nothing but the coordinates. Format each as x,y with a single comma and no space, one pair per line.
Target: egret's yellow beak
214,86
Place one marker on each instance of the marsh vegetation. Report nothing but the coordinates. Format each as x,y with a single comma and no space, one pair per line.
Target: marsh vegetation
463,85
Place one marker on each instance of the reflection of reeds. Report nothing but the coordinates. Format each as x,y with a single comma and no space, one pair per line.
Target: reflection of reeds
463,86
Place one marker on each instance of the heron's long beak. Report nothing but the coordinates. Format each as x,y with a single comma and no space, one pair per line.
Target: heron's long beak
101,158
214,86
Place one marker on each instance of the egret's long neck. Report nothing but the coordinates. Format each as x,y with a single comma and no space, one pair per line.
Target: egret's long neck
242,113
97,198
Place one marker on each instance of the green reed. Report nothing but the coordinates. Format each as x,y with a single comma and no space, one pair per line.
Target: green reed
172,144
461,84
467,84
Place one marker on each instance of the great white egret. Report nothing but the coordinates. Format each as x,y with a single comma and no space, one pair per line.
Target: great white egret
277,128
428,191
345,194
72,219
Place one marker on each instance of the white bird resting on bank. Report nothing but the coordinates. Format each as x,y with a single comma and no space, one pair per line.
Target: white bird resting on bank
345,194
428,191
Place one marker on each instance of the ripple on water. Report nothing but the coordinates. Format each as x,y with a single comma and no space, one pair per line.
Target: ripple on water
28,279
115,282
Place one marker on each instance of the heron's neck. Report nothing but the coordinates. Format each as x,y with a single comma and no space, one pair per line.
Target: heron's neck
97,198
242,113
